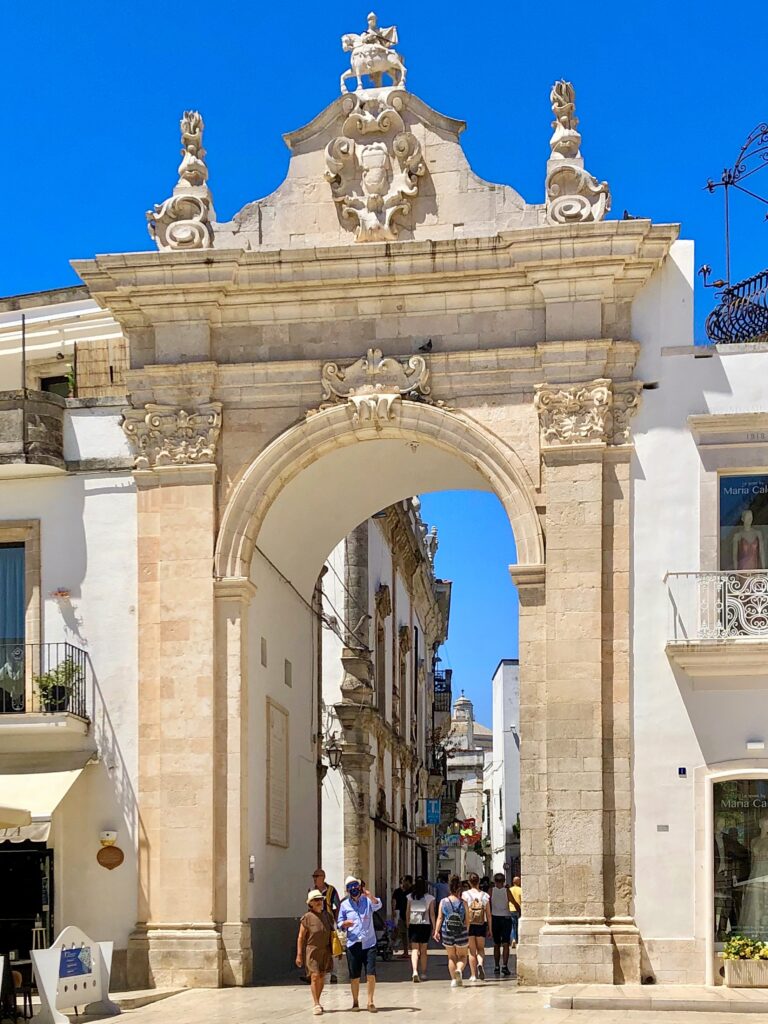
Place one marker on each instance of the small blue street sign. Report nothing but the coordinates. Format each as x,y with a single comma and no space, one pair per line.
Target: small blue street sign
433,812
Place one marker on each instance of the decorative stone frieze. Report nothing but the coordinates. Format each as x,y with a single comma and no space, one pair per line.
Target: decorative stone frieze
404,640
163,435
374,166
597,412
383,601
374,384
184,220
573,195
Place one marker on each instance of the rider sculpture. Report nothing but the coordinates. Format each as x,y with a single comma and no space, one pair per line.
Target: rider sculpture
372,55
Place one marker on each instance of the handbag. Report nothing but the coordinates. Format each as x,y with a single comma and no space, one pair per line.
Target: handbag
338,942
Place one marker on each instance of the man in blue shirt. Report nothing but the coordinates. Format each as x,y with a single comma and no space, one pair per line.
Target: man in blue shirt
356,918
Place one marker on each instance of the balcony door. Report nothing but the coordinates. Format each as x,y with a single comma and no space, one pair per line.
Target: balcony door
11,627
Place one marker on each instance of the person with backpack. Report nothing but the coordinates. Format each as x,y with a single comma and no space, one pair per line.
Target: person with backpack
451,930
501,922
479,921
420,918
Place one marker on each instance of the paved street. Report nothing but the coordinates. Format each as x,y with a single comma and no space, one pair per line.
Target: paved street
431,1002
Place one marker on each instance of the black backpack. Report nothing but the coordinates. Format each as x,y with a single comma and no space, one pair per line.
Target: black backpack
454,926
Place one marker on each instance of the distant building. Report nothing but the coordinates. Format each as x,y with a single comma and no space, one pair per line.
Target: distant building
469,745
502,771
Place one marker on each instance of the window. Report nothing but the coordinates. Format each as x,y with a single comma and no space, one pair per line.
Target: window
55,386
288,673
740,852
264,652
743,522
12,608
381,664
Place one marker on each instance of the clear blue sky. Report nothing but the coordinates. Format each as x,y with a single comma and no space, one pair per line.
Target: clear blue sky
666,93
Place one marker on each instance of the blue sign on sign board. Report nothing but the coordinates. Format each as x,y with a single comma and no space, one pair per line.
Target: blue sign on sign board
75,962
433,812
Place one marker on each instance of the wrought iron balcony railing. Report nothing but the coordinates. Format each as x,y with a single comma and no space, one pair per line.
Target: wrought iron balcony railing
742,314
42,678
442,700
718,605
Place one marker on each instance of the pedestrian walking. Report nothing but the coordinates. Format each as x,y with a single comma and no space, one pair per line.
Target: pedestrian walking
516,906
501,922
479,919
451,930
356,918
441,886
313,946
420,917
332,903
399,907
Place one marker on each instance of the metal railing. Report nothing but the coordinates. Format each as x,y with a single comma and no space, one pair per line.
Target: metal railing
45,678
718,605
742,313
442,700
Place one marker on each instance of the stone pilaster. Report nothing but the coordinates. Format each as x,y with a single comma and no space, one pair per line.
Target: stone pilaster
530,583
232,599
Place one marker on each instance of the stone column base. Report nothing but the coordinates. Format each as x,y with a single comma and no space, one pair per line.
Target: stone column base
575,951
527,951
626,951
175,956
237,954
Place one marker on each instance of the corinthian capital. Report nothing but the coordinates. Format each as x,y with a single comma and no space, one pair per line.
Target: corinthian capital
598,412
163,435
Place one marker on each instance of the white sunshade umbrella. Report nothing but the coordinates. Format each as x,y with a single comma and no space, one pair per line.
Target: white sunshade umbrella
14,817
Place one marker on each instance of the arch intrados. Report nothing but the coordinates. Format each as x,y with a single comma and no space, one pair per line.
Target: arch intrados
304,443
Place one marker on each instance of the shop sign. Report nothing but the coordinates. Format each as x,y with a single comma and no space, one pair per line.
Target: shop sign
744,522
424,832
433,812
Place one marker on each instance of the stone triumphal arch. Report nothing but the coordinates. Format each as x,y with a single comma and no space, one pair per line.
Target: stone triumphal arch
384,323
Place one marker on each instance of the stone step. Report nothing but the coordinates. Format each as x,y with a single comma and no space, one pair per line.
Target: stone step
698,998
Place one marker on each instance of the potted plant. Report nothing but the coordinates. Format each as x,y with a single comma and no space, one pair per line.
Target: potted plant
56,685
745,962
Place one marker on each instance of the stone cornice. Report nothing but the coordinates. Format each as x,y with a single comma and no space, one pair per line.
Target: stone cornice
729,428
229,286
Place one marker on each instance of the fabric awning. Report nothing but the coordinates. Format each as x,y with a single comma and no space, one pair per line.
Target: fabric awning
30,794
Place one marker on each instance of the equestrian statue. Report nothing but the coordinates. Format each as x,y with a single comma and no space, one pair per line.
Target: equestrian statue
372,55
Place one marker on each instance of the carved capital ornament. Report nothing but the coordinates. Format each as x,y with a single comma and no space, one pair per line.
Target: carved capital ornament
598,412
163,435
374,385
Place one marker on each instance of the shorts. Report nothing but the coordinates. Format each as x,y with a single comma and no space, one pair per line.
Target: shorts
419,932
502,930
359,958
478,930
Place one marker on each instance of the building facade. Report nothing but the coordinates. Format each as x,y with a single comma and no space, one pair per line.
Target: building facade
502,772
380,595
383,324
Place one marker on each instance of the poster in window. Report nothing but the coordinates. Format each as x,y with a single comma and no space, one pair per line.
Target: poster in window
277,775
740,853
743,522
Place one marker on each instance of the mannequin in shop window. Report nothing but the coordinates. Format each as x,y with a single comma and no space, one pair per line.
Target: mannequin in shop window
753,919
747,545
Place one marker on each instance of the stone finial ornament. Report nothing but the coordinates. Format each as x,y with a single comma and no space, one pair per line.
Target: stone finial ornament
163,435
598,412
573,195
372,54
373,384
184,220
374,167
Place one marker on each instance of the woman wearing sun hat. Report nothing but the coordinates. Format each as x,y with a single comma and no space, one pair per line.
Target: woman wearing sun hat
313,946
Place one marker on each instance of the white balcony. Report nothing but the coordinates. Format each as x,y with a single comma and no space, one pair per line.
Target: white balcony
718,630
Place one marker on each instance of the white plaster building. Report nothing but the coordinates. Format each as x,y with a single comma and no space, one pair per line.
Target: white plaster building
380,598
502,771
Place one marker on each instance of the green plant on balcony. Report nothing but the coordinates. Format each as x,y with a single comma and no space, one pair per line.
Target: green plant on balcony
56,686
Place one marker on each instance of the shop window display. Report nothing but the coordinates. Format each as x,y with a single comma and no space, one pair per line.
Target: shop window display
743,522
741,858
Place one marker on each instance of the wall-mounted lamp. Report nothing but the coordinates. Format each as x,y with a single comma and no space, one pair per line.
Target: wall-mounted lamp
333,752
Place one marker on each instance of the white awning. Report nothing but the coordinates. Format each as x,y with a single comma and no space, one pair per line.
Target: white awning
28,798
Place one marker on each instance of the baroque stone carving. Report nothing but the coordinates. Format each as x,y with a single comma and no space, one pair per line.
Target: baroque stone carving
373,384
374,166
597,412
573,195
383,601
371,54
184,220
162,435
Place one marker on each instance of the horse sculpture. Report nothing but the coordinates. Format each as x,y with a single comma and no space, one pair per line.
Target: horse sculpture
371,58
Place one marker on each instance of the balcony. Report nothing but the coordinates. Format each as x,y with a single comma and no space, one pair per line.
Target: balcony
31,433
442,701
718,630
43,690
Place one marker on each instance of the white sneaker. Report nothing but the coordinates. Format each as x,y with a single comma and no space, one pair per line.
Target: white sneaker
416,978
458,979
471,980
454,984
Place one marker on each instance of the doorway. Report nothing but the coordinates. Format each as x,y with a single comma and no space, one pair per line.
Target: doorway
26,882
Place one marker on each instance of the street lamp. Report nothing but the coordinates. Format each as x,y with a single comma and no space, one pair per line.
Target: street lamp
333,752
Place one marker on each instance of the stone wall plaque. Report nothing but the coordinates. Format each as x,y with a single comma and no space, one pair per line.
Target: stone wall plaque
277,775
